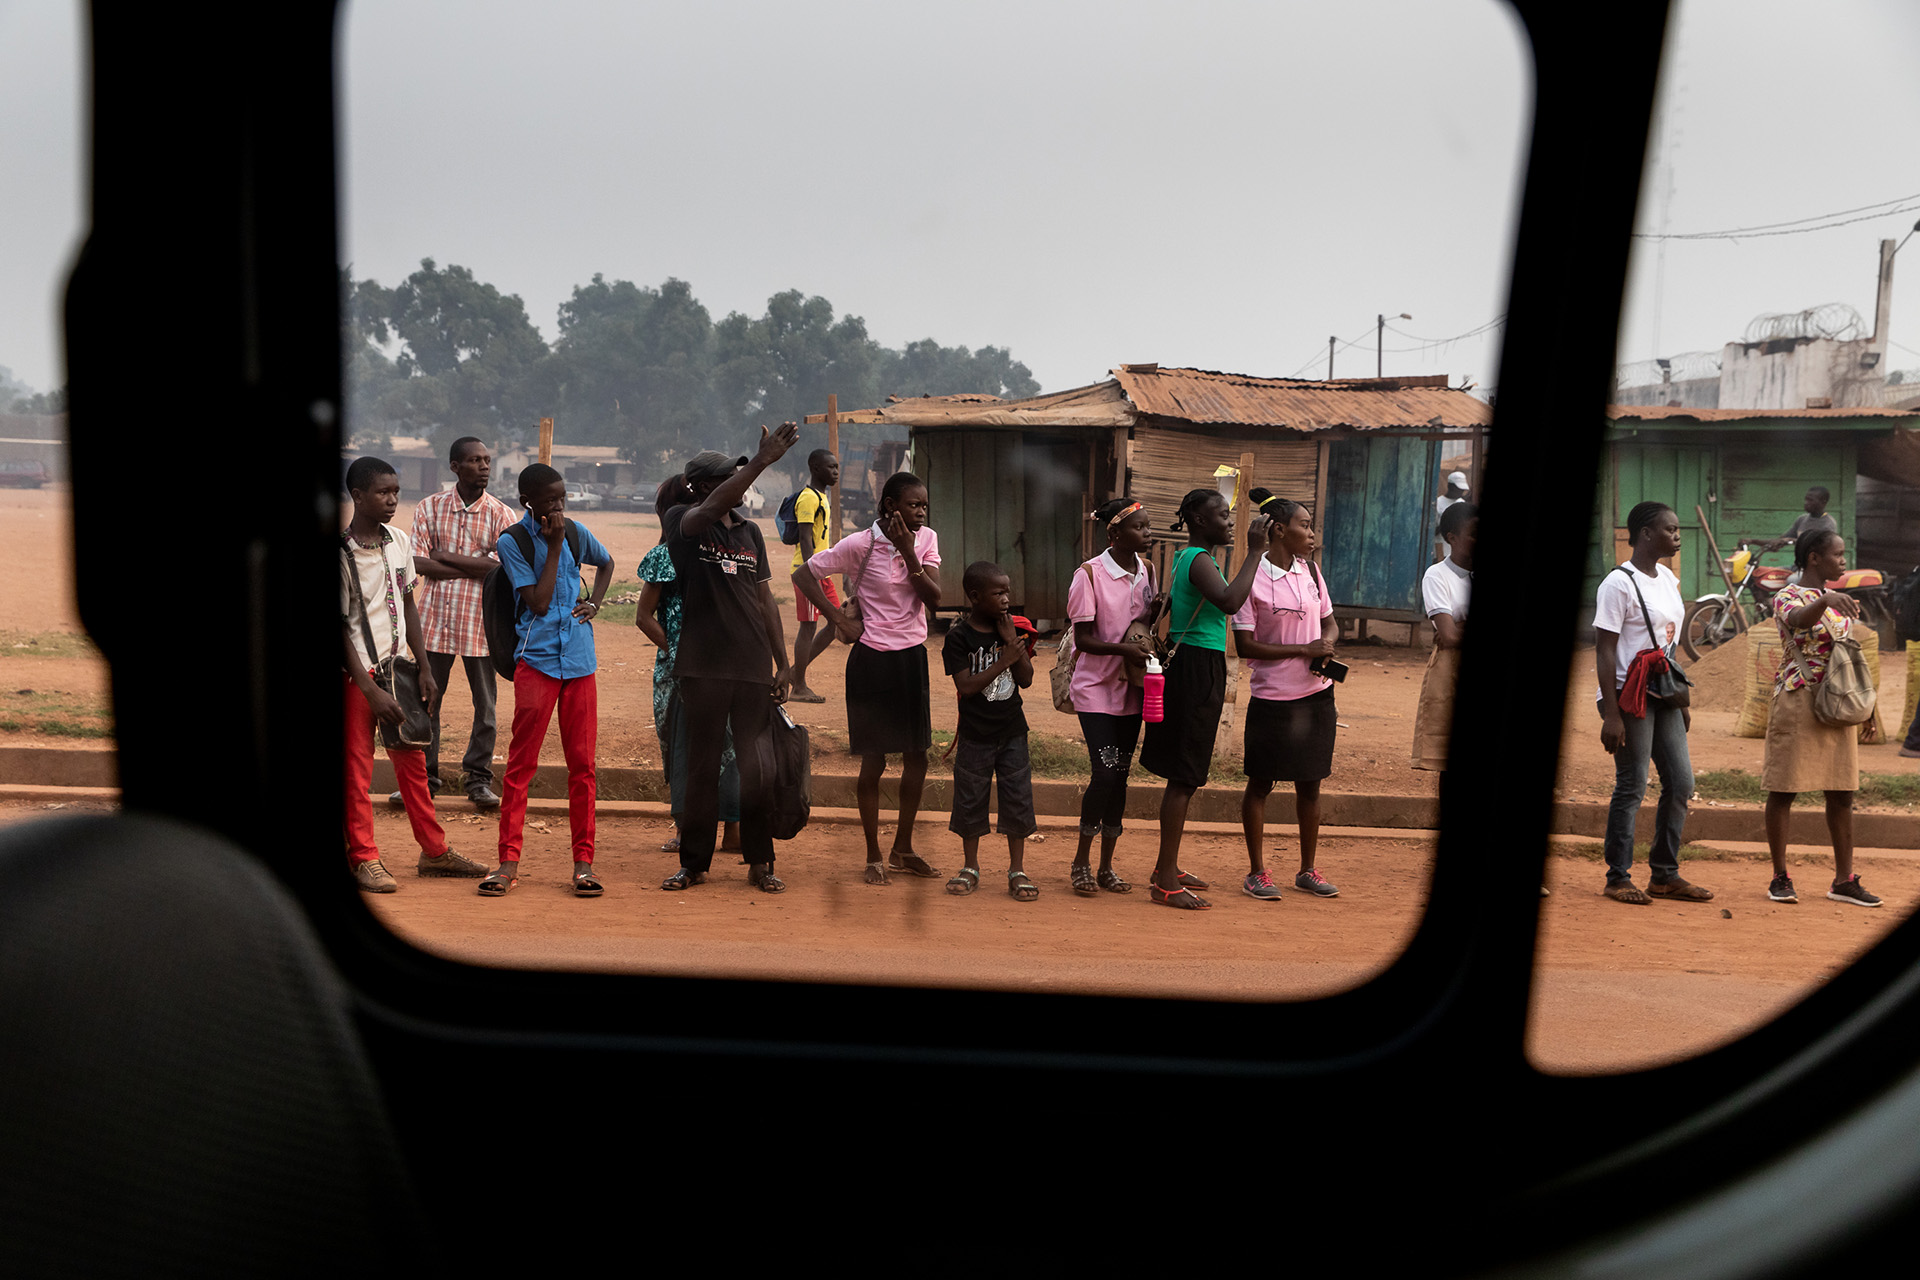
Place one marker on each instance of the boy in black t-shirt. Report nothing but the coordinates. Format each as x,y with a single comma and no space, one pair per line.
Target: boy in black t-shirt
990,663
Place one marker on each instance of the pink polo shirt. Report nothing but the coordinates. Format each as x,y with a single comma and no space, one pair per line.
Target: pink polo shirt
891,613
1110,598
1286,606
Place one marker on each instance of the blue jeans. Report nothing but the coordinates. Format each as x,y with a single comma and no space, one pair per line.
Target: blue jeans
1662,738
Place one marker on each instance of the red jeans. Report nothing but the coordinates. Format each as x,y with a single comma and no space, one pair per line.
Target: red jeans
534,696
409,767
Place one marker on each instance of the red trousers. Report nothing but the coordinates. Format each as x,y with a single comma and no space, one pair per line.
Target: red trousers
409,767
534,697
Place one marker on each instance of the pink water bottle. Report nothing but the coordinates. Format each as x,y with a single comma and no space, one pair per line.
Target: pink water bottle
1154,703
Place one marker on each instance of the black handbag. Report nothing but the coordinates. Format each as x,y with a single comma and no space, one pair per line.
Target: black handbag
1668,683
399,676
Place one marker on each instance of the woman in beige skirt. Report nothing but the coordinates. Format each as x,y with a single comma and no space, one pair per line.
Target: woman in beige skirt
1802,753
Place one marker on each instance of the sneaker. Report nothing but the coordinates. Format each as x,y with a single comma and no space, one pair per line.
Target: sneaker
373,876
395,802
451,864
483,797
1260,885
1316,884
1853,891
1781,890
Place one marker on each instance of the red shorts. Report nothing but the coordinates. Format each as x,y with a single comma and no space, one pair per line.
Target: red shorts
804,610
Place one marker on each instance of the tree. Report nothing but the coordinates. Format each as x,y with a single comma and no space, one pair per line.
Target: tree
926,368
782,366
632,368
468,356
367,375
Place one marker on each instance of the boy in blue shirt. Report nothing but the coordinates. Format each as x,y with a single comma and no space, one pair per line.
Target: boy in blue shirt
554,665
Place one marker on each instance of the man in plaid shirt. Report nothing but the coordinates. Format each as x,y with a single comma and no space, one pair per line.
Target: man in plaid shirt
454,533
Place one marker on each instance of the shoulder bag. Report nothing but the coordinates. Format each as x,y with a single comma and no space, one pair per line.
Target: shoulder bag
399,676
1845,696
1651,676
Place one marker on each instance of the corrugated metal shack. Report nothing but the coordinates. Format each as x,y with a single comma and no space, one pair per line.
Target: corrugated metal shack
1747,471
1013,481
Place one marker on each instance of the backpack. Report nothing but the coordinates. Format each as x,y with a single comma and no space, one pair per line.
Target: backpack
500,603
791,774
786,521
1845,696
1066,658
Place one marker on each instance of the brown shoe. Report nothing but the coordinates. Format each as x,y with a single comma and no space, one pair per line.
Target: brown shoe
1625,891
450,864
373,876
1679,890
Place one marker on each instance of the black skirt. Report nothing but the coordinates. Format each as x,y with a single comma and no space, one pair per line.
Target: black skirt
1180,747
887,708
1291,740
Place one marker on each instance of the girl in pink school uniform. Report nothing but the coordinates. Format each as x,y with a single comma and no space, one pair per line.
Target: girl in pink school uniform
1109,594
892,572
1285,630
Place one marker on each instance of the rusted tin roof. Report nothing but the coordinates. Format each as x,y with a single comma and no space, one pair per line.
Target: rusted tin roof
1677,413
1099,405
1203,396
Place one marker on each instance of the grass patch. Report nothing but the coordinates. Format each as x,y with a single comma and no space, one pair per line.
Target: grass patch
620,614
1889,788
46,644
73,729
57,715
1730,784
1596,852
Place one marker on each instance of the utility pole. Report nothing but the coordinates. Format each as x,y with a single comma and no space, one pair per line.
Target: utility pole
1380,344
1331,339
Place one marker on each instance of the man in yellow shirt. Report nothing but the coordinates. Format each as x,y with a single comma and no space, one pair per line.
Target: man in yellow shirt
810,512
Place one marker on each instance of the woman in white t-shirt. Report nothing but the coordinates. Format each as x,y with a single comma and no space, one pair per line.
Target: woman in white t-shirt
1631,596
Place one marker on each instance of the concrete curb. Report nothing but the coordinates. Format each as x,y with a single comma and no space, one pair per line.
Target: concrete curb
38,769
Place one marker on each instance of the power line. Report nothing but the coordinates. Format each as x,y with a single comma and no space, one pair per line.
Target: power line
1798,226
1494,323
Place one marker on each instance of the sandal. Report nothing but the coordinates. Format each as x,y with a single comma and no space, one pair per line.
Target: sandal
683,879
1110,880
1020,888
1191,882
671,846
1678,890
497,884
913,864
877,873
587,885
1183,898
808,697
964,882
1626,892
760,876
1083,882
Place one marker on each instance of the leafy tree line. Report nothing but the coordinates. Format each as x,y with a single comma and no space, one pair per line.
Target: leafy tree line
640,368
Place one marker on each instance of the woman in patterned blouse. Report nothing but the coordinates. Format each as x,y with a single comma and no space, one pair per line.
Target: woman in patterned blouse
1802,753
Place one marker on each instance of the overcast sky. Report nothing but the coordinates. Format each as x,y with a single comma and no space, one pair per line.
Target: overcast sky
1220,185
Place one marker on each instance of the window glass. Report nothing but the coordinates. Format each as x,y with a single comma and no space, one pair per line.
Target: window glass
1768,382
1115,234
56,724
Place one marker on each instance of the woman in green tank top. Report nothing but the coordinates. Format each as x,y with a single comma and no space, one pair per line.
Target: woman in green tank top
1179,748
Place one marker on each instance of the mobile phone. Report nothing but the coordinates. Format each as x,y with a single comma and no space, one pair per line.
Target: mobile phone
1332,668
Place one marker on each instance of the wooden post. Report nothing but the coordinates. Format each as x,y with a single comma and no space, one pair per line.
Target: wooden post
1320,497
833,447
1243,512
546,441
1086,527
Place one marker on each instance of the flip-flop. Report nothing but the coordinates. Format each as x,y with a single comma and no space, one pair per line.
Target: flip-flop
877,873
913,864
497,884
964,882
1627,892
1183,898
806,697
587,885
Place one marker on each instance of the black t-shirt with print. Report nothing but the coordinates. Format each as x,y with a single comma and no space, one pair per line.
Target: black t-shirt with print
994,714
723,629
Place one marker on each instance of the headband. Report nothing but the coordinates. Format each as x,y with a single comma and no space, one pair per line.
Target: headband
1124,514
1274,498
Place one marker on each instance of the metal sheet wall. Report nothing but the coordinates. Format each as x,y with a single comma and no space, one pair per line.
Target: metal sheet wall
1166,464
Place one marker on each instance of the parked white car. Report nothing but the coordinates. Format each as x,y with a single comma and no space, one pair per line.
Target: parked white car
581,498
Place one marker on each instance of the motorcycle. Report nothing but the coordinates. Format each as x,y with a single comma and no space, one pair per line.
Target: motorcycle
1712,620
